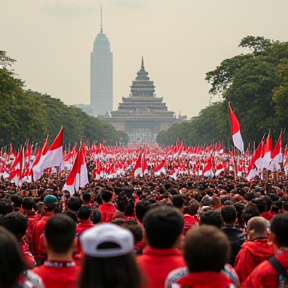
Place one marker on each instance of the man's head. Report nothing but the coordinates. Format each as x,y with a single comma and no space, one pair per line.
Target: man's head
106,196
16,223
228,214
178,202
257,228
206,248
211,217
285,207
163,226
141,209
28,203
84,213
86,197
74,203
50,202
60,233
279,230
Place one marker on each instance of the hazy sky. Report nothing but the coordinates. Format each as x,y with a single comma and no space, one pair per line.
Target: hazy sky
180,41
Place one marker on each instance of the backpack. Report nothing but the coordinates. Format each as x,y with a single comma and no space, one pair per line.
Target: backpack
282,278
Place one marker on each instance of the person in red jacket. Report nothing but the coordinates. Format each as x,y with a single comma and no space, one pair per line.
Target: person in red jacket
206,251
84,223
27,207
50,202
265,275
59,270
164,232
255,250
107,209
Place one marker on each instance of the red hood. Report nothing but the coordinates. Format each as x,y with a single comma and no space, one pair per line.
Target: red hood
258,249
206,280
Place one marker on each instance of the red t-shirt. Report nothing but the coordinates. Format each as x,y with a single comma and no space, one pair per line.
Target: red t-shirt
107,211
156,264
251,254
83,225
64,276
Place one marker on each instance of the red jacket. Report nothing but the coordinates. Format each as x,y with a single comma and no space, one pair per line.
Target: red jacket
83,225
252,253
206,280
268,215
264,275
107,211
55,277
189,221
37,232
156,264
32,220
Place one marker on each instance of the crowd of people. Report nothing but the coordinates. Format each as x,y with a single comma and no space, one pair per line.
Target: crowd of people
144,232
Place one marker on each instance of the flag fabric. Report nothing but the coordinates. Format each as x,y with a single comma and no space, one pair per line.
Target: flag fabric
17,168
138,166
72,181
51,157
83,178
36,167
266,159
54,155
276,155
158,169
207,170
235,131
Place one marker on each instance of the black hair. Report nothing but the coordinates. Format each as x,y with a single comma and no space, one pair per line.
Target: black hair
268,203
211,217
86,196
206,249
84,213
285,205
141,209
260,203
28,203
106,195
279,226
250,211
96,216
177,201
16,223
5,207
74,203
121,271
130,208
60,231
17,200
163,225
228,214
12,263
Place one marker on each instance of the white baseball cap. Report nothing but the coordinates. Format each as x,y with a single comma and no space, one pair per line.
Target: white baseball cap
119,239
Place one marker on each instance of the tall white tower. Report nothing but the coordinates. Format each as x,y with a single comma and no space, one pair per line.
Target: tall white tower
101,77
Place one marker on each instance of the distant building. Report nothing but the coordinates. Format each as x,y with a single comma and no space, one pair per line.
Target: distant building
142,115
101,78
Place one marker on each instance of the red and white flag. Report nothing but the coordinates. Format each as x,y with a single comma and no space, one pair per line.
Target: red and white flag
235,131
207,170
53,156
78,176
17,168
158,169
266,159
138,166
277,155
36,167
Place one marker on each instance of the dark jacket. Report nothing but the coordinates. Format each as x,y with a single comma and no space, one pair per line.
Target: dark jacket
236,238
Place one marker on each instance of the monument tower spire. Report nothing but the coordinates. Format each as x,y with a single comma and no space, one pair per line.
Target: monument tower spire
101,26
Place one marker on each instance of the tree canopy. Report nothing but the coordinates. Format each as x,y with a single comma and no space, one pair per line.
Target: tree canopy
32,115
256,85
